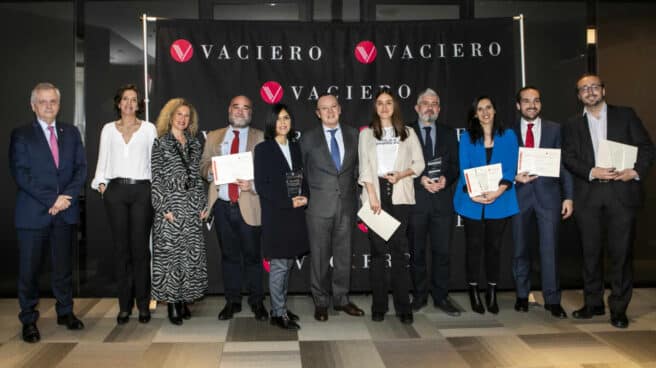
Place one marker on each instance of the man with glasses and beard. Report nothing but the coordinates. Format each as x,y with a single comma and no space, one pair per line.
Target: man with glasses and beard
433,213
606,199
236,210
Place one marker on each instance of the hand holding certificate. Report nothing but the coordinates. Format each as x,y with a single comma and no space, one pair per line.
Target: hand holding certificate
228,168
382,224
483,179
616,155
539,161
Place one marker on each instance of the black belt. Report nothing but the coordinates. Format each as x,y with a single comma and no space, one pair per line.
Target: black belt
601,181
129,181
227,203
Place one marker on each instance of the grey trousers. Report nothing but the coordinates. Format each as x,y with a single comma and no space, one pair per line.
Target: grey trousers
278,282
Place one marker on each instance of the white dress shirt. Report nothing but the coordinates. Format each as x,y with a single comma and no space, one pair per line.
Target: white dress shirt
598,127
117,159
537,124
46,131
225,150
287,153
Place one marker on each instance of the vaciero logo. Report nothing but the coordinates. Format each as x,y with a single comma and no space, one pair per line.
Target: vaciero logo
365,52
181,50
271,92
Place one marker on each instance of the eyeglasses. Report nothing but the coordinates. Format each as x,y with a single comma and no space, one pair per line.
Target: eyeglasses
429,104
590,88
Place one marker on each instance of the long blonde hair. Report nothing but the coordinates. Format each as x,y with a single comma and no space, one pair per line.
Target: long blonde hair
166,116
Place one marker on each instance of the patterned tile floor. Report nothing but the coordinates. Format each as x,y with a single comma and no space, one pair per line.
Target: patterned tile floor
509,339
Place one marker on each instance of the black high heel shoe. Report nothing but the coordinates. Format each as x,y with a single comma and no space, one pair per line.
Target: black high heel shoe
475,299
174,315
491,299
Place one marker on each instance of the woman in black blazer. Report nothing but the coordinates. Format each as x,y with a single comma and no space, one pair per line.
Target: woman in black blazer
284,235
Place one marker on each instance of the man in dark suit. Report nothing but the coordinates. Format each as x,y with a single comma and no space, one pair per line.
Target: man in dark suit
606,199
433,212
236,210
47,161
541,200
330,157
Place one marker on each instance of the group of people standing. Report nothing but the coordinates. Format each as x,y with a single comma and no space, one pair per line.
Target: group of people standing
156,176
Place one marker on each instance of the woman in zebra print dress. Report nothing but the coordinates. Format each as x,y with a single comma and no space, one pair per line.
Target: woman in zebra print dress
178,196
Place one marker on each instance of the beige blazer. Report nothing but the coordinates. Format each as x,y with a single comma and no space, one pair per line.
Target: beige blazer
249,202
409,156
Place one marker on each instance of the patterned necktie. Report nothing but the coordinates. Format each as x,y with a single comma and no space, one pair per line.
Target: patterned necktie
334,149
233,189
54,148
530,141
428,144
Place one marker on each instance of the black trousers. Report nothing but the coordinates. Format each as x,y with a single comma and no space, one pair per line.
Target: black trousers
483,238
603,212
397,247
130,214
239,242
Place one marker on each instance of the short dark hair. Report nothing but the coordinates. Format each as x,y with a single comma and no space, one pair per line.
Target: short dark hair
518,97
397,118
141,105
585,75
474,129
272,119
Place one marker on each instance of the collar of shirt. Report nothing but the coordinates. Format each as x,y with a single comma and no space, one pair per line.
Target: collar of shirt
536,130
327,130
242,132
604,111
44,127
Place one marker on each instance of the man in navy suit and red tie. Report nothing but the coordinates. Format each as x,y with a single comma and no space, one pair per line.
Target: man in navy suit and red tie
606,199
47,161
543,200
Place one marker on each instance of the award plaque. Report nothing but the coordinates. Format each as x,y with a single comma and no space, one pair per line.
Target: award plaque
434,168
294,179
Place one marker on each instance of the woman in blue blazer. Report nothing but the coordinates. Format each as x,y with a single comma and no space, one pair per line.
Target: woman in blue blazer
284,234
486,216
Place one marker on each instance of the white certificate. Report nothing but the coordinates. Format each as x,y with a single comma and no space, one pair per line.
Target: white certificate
539,161
483,179
229,168
618,155
382,224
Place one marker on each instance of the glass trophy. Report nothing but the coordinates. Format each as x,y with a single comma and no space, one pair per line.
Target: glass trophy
434,168
294,180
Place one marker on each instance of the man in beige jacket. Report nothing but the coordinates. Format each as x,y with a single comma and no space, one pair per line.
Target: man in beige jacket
236,210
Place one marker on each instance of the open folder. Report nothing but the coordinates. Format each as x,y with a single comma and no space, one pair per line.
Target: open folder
618,155
382,224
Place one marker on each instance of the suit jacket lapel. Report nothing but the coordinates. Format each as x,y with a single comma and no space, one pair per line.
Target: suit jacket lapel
584,130
44,145
612,126
349,148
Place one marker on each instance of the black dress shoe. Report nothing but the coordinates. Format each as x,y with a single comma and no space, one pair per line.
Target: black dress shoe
491,299
446,306
377,316
292,316
556,310
174,315
350,309
31,333
144,316
70,321
619,320
406,318
475,299
588,312
521,304
285,323
260,311
122,318
419,303
186,313
321,314
229,310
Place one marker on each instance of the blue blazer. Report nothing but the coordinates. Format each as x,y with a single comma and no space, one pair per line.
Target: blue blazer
39,181
548,192
473,155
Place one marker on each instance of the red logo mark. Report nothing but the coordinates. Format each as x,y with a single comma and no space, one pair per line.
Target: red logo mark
271,92
365,52
181,51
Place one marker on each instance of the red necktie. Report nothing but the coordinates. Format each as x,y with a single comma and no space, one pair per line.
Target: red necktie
54,148
233,189
529,136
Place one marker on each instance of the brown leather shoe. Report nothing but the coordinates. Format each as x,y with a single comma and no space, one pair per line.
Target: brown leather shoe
350,309
321,314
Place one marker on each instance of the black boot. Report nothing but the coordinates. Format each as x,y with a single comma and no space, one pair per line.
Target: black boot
475,299
174,314
184,310
491,299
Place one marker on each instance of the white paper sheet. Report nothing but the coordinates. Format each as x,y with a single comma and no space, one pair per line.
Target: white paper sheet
618,155
539,161
229,168
382,224
483,179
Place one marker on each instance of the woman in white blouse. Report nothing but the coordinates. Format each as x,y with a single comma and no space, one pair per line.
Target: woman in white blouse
390,157
123,179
